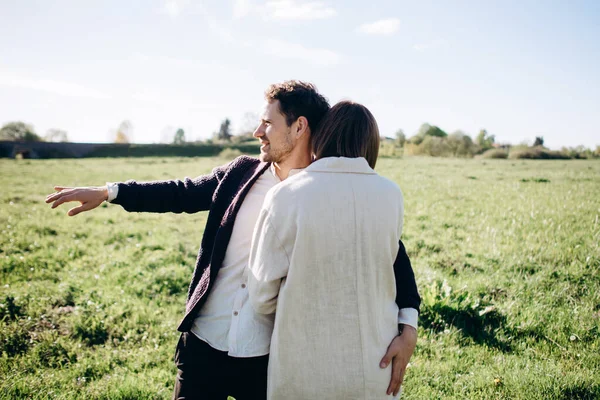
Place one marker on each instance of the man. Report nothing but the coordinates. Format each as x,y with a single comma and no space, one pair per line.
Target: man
224,345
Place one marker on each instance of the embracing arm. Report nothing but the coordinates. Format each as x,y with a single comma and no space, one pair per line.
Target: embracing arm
408,300
407,295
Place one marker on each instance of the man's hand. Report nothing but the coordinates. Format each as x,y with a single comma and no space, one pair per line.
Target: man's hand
399,353
89,197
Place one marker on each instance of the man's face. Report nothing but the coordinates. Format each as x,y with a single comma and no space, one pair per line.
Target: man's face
274,134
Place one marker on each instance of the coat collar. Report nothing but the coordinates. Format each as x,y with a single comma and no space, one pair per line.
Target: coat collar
341,165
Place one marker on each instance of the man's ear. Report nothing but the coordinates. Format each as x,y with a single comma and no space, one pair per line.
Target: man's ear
301,127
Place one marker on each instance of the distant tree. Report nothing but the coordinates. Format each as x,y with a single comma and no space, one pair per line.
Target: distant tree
19,131
121,137
225,130
427,130
179,137
597,151
431,130
539,141
423,129
124,133
484,140
434,146
400,137
578,152
435,132
56,135
461,144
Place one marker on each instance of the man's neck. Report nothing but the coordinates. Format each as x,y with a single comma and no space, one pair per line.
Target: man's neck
283,168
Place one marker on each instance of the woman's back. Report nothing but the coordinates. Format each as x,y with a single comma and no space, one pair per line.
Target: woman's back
339,224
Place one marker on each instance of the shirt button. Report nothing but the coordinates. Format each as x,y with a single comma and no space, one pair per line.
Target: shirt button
243,286
235,313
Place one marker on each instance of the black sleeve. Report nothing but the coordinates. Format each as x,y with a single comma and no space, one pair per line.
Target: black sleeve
407,295
177,196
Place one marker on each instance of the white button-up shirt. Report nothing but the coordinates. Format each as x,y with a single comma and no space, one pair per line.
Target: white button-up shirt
227,321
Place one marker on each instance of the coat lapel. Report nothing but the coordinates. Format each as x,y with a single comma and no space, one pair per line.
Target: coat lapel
228,220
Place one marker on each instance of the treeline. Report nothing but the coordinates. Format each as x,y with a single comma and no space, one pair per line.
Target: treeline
19,140
432,141
45,150
21,131
230,150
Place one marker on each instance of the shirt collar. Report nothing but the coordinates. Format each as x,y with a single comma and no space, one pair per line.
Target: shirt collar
292,171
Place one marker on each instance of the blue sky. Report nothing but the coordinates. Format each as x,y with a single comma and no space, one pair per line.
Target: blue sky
519,69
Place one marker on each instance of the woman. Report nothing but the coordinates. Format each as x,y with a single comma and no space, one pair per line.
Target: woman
322,255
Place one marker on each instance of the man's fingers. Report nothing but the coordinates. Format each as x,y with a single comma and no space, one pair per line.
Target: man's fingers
60,191
385,361
62,199
400,380
390,389
397,378
76,210
391,354
392,351
52,197
394,383
399,351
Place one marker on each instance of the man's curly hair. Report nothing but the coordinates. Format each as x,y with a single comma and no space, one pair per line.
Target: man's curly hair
298,99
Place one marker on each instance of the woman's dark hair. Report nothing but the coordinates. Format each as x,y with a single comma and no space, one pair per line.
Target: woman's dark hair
347,130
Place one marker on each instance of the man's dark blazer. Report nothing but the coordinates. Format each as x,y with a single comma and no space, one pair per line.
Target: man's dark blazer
222,193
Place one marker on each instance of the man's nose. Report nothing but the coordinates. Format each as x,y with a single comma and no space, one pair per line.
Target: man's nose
258,132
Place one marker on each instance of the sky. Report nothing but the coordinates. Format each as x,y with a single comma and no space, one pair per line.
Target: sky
518,69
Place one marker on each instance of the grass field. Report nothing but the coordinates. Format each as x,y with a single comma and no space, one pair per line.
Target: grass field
506,255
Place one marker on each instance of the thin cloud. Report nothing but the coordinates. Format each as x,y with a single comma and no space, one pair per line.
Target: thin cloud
174,8
314,56
57,87
220,29
293,10
429,45
178,66
148,96
242,8
159,99
384,27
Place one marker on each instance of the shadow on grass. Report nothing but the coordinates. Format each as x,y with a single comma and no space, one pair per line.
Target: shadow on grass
482,329
581,392
443,308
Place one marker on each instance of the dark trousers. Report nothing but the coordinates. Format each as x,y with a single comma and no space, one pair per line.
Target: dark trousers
209,374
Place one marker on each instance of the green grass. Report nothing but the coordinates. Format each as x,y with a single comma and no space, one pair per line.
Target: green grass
506,255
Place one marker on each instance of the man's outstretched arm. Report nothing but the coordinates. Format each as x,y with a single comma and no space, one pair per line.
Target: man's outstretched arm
177,196
188,195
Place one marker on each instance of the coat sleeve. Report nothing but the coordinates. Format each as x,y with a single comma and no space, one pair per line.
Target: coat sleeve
269,264
177,196
407,295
